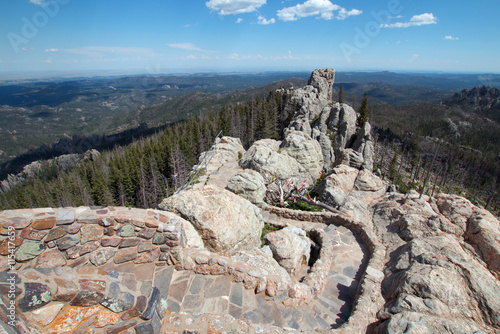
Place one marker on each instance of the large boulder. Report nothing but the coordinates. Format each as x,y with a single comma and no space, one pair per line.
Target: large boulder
483,230
338,185
305,150
269,267
250,185
264,157
291,248
227,223
227,149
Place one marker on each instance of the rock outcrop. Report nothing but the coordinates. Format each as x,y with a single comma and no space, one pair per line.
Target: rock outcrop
290,247
264,157
438,279
480,98
227,223
250,185
333,125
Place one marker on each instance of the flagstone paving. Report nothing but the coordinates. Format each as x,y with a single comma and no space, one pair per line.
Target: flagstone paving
145,293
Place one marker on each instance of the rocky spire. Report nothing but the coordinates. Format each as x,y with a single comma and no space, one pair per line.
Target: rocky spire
323,80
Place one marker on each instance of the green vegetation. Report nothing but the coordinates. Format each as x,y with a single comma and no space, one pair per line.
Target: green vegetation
150,169
301,205
267,229
340,98
363,111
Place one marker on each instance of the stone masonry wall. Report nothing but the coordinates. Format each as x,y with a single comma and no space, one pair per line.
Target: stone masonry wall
369,296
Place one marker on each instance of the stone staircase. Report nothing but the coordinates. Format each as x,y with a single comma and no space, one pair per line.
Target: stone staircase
193,300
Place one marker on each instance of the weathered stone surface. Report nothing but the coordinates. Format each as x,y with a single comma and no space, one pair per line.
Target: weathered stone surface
91,293
17,223
121,326
126,231
55,234
43,223
267,265
152,303
147,233
264,158
107,221
291,248
91,233
138,308
322,80
228,149
483,230
305,150
67,242
36,295
225,221
338,185
117,300
46,314
74,228
433,280
248,184
81,250
31,234
65,217
111,242
50,259
129,242
125,255
29,250
66,290
71,318
147,257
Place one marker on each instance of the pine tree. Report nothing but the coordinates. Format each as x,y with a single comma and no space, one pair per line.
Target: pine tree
363,111
341,94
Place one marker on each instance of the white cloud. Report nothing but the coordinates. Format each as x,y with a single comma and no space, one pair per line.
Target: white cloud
416,20
185,46
451,38
343,13
227,7
234,56
263,21
239,20
414,57
48,60
192,57
186,26
324,9
51,50
39,2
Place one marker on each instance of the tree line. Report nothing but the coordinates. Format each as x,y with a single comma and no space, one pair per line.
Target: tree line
149,169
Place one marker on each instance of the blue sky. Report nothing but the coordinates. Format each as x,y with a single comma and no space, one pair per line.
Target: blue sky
160,36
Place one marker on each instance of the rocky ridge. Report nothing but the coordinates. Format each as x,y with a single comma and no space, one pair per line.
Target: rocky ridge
480,98
432,265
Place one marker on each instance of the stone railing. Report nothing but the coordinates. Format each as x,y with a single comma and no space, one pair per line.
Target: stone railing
369,296
49,238
103,262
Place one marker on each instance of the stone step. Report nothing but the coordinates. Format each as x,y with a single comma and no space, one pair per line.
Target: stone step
326,309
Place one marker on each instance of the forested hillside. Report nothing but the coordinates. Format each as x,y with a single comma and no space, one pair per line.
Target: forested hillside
146,171
407,153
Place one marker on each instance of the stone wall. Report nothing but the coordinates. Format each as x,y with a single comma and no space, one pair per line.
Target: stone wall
369,296
103,266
